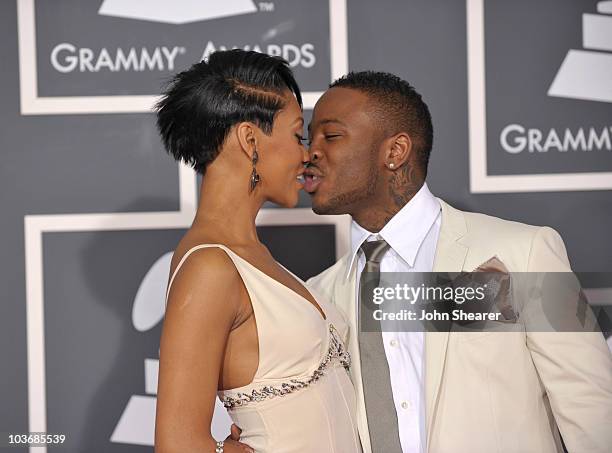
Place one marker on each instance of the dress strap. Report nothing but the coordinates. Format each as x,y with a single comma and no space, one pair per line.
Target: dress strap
186,255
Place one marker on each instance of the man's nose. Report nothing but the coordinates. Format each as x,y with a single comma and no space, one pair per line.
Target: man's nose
315,154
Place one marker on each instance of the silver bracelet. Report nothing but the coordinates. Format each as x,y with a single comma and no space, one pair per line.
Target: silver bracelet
219,448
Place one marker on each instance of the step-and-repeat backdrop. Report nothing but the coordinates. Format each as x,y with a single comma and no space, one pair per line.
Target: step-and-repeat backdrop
521,97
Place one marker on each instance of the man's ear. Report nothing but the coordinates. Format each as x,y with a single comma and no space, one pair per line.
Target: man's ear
398,150
247,137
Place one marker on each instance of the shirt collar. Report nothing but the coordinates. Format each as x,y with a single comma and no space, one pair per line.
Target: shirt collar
406,230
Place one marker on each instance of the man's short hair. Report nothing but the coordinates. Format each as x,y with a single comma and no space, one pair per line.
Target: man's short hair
396,107
201,104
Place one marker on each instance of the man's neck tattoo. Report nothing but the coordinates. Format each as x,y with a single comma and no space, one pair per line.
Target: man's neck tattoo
403,185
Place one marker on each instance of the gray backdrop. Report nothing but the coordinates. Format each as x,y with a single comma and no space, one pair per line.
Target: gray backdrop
107,162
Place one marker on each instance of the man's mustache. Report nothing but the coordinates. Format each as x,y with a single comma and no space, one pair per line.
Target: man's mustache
312,170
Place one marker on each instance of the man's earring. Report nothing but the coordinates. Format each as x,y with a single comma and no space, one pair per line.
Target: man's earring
254,175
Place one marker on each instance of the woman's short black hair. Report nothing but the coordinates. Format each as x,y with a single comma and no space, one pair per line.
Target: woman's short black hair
201,104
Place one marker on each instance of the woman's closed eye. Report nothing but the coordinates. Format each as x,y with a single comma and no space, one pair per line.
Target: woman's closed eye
300,139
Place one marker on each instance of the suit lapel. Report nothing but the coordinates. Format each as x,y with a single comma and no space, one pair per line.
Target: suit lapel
346,298
450,257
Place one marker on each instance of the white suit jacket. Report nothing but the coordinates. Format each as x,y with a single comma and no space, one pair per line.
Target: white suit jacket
498,392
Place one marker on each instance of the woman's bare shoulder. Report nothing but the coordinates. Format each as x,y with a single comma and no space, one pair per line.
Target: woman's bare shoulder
193,239
204,266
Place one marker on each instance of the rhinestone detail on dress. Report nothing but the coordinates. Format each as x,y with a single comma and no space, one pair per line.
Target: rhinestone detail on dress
336,351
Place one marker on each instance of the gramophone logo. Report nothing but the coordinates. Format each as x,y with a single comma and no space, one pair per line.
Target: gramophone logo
587,73
136,424
539,115
177,11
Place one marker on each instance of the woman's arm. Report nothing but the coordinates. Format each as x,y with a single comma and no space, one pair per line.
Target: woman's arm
203,303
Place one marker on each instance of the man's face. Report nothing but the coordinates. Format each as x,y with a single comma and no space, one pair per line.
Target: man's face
343,172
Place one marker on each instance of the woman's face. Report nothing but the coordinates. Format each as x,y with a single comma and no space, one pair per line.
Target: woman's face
282,156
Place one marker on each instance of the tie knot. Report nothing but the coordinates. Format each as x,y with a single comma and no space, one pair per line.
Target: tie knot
374,250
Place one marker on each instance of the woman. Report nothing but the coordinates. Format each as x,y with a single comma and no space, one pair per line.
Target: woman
238,325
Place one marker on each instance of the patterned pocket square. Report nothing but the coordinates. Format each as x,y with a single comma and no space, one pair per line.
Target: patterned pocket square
498,286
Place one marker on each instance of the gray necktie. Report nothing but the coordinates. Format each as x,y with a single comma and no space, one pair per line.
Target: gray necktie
380,408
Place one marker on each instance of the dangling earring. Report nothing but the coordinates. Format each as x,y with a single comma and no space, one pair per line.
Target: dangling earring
254,175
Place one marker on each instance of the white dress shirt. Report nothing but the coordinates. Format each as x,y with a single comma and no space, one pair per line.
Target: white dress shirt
412,234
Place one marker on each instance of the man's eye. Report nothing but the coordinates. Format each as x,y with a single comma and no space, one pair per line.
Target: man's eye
331,136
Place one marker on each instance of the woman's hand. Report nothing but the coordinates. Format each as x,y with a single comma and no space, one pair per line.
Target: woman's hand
231,446
233,440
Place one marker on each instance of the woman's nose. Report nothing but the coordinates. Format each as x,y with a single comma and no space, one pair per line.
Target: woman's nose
305,156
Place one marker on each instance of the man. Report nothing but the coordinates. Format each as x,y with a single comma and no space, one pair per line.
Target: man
371,136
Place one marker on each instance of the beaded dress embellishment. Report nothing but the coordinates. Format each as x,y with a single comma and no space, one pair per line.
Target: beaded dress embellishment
336,351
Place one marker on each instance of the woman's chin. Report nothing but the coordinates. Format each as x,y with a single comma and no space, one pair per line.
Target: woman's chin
287,198
288,201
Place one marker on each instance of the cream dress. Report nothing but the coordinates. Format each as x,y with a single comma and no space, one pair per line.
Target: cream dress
301,398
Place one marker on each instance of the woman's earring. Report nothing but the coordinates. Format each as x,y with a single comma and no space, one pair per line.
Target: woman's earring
254,175
391,165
